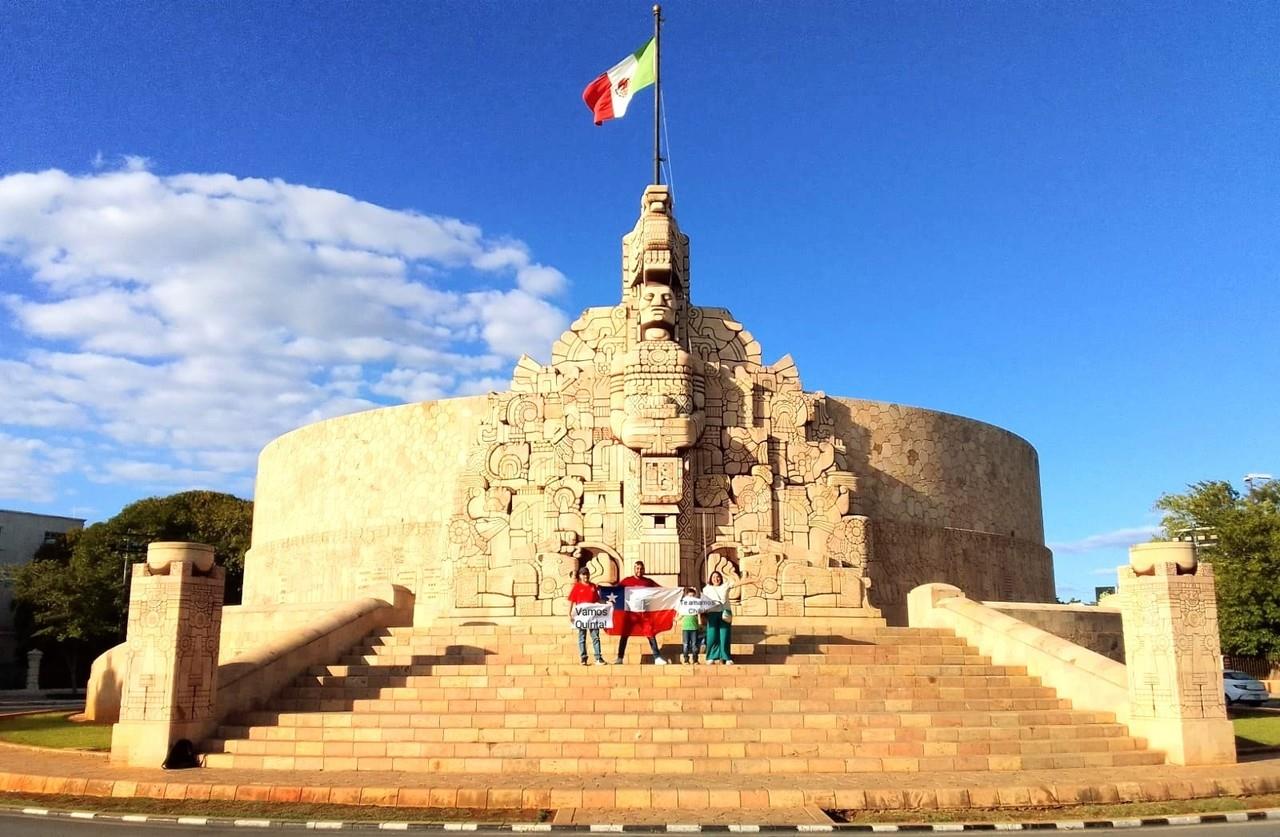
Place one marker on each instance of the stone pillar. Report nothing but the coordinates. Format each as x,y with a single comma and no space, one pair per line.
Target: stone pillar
175,621
34,656
1173,656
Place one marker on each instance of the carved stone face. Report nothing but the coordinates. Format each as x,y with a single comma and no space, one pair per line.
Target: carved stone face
656,311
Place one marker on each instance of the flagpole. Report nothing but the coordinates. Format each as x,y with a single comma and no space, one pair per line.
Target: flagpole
657,94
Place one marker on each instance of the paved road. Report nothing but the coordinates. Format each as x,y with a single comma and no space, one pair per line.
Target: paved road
20,825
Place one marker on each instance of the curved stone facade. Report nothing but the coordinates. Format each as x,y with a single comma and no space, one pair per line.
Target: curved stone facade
656,434
350,502
346,503
939,469
952,499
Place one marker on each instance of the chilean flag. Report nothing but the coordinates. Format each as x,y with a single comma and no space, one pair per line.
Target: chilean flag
641,611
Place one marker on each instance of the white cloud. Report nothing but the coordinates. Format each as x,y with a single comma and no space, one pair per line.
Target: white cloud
1105,540
484,386
29,468
183,321
152,473
510,318
413,385
540,279
135,162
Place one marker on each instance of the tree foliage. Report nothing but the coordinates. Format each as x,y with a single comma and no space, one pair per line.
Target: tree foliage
68,598
73,593
220,520
1245,557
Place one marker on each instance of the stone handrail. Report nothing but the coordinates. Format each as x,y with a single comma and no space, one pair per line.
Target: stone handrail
1088,679
106,679
250,677
253,677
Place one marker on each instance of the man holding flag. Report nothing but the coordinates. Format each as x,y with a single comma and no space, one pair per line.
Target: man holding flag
641,607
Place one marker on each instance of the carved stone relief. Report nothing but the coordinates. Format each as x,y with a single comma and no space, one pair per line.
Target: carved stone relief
657,430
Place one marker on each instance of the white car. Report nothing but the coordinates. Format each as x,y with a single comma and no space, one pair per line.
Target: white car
1239,687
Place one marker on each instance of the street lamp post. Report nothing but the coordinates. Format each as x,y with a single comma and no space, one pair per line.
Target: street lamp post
130,545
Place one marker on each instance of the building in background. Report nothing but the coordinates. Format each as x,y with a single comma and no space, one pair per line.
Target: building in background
21,534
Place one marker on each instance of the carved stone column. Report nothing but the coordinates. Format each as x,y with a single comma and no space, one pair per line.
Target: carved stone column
175,621
1173,656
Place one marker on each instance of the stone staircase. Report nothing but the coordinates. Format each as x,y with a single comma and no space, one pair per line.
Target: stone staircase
478,697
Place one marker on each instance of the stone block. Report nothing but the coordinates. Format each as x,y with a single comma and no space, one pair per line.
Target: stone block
175,613
1173,655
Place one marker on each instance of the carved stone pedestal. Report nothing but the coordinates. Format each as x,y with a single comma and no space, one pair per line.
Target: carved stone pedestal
175,619
34,656
1173,656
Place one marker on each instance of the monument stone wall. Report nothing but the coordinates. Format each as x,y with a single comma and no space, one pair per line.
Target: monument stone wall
348,503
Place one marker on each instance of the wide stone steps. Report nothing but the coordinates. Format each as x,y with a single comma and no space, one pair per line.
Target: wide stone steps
697,750
398,728
390,705
755,645
629,750
426,687
688,765
569,644
632,673
671,653
512,699
566,634
904,724
775,630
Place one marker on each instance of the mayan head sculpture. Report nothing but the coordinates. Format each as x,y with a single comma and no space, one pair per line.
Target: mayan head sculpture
657,312
656,387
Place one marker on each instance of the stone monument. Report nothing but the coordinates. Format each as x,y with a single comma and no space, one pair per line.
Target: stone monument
171,652
1172,654
655,432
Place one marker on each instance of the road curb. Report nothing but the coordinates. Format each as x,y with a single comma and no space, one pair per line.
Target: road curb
674,828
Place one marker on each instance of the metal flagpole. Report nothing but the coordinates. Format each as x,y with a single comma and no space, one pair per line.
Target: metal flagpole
657,94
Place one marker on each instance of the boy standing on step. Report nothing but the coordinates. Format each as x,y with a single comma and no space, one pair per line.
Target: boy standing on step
691,628
584,592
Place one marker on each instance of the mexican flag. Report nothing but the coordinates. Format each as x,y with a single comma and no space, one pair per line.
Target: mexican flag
609,95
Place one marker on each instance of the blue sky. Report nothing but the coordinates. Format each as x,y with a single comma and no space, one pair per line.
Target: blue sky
218,221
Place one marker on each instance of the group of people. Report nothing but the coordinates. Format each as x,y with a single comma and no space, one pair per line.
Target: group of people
717,622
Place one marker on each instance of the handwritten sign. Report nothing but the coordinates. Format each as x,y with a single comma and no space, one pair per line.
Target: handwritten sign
693,605
590,617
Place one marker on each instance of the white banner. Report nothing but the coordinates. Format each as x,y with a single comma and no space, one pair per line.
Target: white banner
592,616
692,606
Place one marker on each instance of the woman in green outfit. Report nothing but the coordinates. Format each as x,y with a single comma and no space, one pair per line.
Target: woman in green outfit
719,622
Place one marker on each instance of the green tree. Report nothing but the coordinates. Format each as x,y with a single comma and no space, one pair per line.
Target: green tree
74,593
1244,533
68,598
223,521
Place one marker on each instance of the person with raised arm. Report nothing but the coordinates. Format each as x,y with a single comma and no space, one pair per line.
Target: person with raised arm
719,621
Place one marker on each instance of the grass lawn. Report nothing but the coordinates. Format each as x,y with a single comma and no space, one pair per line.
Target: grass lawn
1258,727
53,729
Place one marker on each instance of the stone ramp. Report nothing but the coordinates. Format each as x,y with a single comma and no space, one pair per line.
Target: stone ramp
464,698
